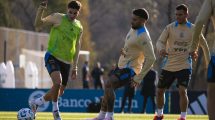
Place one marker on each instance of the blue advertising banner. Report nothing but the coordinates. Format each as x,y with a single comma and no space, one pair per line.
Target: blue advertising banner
73,100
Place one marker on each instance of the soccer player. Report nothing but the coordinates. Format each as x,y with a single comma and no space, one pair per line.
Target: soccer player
173,45
137,57
63,49
207,11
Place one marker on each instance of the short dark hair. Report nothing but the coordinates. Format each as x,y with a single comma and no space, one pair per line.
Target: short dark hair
141,12
182,7
74,5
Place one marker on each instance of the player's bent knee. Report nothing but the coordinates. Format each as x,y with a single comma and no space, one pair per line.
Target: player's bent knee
62,88
61,92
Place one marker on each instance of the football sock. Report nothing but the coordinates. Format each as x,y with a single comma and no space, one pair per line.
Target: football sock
160,112
40,101
101,114
183,114
109,114
55,106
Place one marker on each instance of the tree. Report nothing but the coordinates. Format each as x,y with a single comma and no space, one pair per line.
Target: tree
7,18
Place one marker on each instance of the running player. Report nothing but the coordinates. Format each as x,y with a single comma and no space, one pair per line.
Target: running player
63,49
173,45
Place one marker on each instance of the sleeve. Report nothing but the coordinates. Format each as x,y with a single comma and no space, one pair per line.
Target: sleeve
40,21
76,57
148,51
162,41
203,44
202,18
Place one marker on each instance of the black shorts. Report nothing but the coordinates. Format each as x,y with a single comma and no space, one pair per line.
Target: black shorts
211,70
52,64
124,75
167,78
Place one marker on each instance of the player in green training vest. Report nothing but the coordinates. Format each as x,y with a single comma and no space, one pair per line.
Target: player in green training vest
63,49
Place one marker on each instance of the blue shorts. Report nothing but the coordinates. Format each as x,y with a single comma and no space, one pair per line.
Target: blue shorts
211,70
52,64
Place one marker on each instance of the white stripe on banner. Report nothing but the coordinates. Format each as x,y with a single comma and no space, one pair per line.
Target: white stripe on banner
196,108
203,102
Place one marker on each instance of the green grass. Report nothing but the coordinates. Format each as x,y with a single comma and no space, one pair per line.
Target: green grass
84,116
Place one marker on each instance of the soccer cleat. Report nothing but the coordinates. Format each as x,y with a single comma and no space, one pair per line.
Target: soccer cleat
158,117
181,119
56,115
33,106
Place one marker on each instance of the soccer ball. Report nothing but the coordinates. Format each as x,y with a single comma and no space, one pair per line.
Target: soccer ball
25,114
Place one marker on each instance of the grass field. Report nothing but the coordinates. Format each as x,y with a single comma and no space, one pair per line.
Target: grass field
84,116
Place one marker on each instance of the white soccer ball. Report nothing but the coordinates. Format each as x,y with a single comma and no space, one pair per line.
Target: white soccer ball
25,114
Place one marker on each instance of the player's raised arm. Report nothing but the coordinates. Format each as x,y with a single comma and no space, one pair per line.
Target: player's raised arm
40,20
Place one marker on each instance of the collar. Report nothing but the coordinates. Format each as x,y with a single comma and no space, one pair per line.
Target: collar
141,30
188,24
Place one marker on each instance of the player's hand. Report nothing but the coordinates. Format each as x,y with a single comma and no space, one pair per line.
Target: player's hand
194,55
163,53
74,74
44,3
134,84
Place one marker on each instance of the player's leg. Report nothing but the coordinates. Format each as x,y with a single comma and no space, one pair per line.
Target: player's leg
183,77
109,96
119,78
61,91
211,89
53,70
183,101
57,80
55,90
123,102
107,104
160,101
165,80
64,70
153,102
145,97
130,97
211,101
35,103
